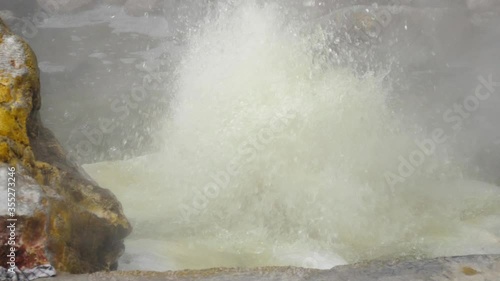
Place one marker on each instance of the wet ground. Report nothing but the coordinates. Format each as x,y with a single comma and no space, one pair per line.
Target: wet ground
477,268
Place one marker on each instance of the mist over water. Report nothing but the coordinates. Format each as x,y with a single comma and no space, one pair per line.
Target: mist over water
273,153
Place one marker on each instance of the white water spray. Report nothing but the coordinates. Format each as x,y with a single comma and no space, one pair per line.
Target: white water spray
271,158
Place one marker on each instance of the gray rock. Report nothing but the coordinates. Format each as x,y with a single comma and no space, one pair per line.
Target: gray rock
473,268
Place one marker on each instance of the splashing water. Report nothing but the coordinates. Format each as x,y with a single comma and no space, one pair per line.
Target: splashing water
271,158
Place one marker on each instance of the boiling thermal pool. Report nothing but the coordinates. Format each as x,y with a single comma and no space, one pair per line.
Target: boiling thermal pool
271,157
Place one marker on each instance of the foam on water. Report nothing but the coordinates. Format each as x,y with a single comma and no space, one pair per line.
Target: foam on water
271,158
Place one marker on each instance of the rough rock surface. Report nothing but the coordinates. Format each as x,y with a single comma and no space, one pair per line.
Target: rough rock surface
63,218
469,268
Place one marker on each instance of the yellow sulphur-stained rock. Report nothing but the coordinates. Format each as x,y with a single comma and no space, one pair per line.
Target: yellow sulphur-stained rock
63,218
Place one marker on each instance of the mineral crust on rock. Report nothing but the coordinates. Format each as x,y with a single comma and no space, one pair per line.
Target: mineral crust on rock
63,217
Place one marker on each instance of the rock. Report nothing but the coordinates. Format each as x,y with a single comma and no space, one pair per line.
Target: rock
63,217
484,268
419,36
65,6
139,8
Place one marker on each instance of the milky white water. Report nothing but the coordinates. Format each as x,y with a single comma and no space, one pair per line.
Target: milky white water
271,158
